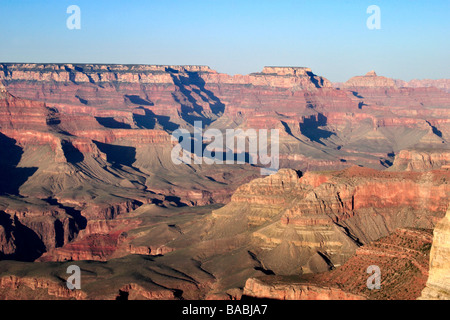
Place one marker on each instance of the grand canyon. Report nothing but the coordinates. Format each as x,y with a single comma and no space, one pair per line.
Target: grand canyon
87,179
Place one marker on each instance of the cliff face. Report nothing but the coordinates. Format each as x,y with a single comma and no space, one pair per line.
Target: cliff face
132,277
34,288
293,291
29,228
438,284
326,223
443,84
402,257
61,168
370,80
156,74
53,290
310,114
316,222
415,160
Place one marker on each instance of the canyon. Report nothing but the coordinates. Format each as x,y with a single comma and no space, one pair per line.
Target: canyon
87,178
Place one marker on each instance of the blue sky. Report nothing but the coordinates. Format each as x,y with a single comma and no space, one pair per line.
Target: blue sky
241,36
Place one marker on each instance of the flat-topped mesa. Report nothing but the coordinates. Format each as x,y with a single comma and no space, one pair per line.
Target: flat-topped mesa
287,77
133,73
96,73
195,68
178,68
287,71
8,68
370,79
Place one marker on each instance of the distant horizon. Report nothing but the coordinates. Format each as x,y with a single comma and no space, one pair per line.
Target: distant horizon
214,69
333,38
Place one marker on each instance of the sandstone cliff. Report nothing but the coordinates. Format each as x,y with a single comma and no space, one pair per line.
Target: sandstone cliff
402,257
417,160
364,123
443,84
294,291
316,222
370,80
438,284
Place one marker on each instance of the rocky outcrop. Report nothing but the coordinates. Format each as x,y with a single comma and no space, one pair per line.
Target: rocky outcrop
438,284
443,84
53,289
416,160
258,288
30,228
133,277
17,113
315,222
136,292
100,237
12,288
149,250
403,259
369,80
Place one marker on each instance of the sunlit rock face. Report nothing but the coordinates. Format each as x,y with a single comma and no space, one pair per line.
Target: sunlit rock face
438,284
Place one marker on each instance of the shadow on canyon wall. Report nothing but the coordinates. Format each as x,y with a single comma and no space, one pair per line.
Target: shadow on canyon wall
310,128
117,155
192,111
11,177
150,119
28,244
111,123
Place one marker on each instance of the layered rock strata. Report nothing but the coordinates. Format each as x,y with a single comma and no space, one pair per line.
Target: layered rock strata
438,284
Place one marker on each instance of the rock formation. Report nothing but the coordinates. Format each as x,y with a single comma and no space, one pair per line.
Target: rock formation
370,79
294,291
366,122
402,257
438,284
443,84
421,160
317,221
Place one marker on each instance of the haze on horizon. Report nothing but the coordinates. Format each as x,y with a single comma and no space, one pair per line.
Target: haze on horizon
235,37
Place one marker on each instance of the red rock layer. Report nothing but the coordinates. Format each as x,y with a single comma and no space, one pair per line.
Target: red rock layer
296,224
258,288
305,107
57,290
402,258
415,160
438,283
443,84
